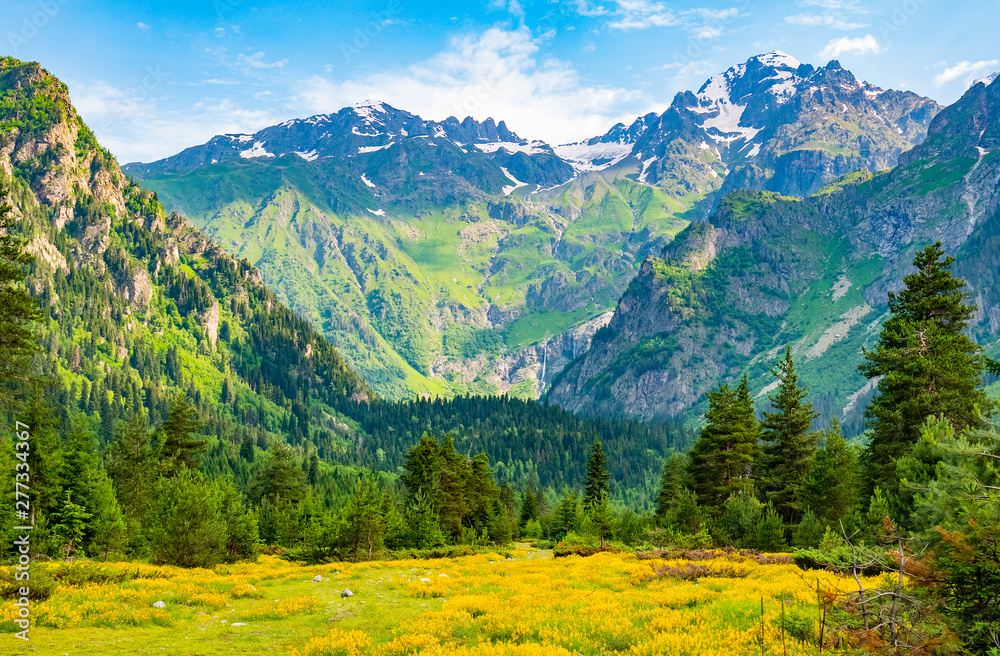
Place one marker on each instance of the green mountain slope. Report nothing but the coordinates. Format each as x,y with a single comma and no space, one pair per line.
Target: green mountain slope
767,270
141,306
447,257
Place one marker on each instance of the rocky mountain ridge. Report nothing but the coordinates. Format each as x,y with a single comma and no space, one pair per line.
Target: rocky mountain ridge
437,255
767,270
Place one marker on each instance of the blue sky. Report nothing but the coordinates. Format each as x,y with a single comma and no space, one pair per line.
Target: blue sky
152,78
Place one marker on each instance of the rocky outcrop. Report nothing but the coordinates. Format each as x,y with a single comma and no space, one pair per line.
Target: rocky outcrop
537,364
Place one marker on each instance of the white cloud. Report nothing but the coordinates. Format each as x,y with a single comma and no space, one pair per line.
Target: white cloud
707,32
135,126
498,74
256,61
642,14
142,26
836,21
861,45
964,68
837,5
584,8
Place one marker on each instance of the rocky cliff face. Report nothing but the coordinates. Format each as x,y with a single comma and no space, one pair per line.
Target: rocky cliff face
769,270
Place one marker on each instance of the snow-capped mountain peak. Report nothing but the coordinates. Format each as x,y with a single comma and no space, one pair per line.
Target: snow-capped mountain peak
778,59
986,81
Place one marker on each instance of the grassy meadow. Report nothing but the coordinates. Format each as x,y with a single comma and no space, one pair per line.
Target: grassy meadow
521,602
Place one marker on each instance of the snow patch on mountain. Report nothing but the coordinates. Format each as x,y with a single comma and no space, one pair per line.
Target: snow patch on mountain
777,59
368,110
584,156
256,151
372,149
987,81
517,183
367,181
533,148
309,156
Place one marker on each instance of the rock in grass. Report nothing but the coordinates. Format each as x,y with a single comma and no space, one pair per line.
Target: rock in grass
238,624
317,578
426,580
346,593
159,604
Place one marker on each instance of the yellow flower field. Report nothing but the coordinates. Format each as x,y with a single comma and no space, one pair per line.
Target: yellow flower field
485,605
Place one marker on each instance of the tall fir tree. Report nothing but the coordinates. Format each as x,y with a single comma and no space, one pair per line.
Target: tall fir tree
926,365
596,485
179,446
830,489
788,443
366,519
721,461
673,479
18,311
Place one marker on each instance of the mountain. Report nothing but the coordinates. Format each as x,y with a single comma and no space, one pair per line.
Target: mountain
767,269
456,256
140,307
771,123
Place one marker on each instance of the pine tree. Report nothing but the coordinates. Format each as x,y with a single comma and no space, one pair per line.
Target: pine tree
830,489
672,484
423,469
187,527
107,523
180,448
366,519
18,310
246,448
529,509
722,457
452,499
788,443
926,364
279,478
601,518
565,519
133,467
596,485
68,525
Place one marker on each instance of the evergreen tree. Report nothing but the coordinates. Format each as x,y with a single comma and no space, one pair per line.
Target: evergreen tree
529,509
68,525
246,448
424,528
672,484
18,310
107,523
452,492
134,469
187,527
366,519
279,478
180,447
565,519
721,459
830,489
601,518
596,485
788,443
481,492
927,365
242,527
423,469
